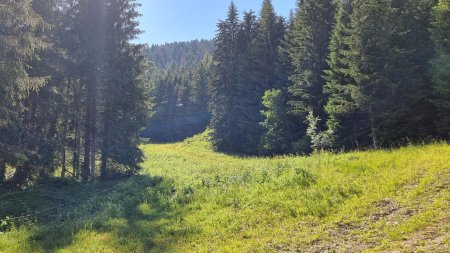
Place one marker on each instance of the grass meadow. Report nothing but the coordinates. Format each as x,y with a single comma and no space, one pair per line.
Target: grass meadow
190,199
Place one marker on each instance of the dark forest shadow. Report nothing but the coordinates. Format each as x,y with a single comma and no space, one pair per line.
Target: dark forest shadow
176,130
137,209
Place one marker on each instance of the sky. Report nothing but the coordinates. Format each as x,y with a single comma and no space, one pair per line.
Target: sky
183,20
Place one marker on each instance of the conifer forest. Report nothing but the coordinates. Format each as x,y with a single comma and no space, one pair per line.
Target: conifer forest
326,130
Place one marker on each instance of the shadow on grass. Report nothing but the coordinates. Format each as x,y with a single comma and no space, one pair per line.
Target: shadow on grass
139,214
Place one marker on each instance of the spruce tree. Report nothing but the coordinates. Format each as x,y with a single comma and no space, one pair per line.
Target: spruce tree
368,51
93,75
408,113
269,34
92,17
124,93
309,50
261,49
284,67
224,83
248,93
199,96
280,126
311,36
346,121
378,84
21,40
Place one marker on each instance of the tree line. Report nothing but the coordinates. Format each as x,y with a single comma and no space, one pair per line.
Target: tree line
179,89
179,54
336,75
73,89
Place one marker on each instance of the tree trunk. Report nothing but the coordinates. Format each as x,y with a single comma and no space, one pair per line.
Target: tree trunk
93,154
77,129
90,134
105,151
85,172
52,132
373,129
2,170
105,154
76,152
64,168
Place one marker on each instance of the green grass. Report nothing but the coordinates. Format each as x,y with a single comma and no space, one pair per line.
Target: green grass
191,199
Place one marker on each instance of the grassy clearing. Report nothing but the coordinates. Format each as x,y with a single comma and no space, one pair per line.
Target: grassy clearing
190,199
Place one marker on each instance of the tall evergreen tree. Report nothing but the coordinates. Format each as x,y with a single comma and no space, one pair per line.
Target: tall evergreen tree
311,36
21,39
261,39
347,123
225,82
124,92
285,67
46,124
249,91
280,126
243,92
408,113
309,50
69,91
92,15
269,34
199,95
369,49
378,82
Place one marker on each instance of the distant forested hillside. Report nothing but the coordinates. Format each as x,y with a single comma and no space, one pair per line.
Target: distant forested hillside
180,53
180,77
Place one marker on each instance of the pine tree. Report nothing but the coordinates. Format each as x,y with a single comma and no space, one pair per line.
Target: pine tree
21,40
123,100
248,93
280,126
408,113
378,82
199,96
224,83
285,68
269,34
441,65
346,121
309,50
92,16
369,49
311,36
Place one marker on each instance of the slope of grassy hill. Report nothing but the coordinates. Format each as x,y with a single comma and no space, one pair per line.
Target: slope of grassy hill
191,199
